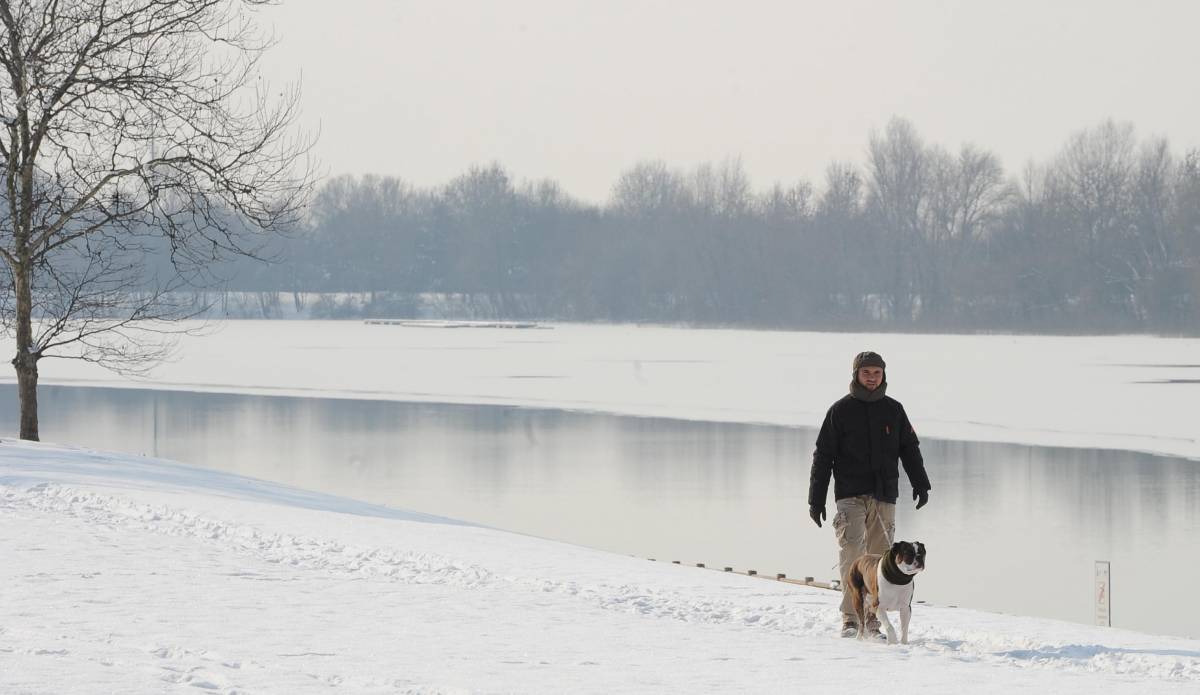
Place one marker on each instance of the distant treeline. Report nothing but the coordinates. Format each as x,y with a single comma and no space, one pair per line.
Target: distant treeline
1103,237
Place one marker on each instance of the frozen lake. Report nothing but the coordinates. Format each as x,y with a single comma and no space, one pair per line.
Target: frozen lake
1115,392
1010,528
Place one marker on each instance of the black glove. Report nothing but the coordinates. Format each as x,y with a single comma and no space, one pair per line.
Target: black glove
921,496
816,512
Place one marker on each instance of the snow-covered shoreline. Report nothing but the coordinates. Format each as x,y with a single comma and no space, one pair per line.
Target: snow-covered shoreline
1131,393
127,574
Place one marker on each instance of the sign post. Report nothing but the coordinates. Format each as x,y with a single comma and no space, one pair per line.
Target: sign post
1103,593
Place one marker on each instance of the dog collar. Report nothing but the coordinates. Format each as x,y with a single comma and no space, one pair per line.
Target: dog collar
892,573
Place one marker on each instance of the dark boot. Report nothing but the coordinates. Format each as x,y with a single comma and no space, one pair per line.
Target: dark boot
873,632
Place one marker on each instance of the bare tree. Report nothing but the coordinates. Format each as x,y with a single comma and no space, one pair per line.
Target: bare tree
649,189
966,195
1186,220
131,128
898,168
721,191
844,243
649,202
1093,184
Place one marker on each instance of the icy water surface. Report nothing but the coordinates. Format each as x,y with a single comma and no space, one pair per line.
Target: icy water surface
1009,528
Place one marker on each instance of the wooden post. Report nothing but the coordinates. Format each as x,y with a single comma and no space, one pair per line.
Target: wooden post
1103,593
781,575
728,569
751,572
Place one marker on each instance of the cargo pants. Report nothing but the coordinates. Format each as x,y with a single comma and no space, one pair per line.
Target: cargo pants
862,524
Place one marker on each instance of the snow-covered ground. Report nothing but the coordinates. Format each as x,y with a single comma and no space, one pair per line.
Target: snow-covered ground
122,574
1123,392
126,574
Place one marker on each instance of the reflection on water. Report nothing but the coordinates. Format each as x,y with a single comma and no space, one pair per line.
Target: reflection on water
1009,528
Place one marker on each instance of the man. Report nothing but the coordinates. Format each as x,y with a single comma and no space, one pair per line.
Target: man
861,439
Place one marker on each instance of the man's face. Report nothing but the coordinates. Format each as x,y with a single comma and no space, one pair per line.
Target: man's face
870,377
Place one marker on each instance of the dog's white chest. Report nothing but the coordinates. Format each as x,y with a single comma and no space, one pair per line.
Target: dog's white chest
893,597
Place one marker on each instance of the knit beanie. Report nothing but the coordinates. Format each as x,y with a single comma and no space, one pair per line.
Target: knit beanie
868,359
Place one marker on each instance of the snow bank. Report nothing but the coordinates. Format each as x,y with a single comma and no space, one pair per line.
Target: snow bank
126,574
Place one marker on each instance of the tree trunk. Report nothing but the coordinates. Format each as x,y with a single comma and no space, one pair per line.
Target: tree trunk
25,361
27,378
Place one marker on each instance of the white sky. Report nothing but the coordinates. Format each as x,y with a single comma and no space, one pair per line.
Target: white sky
579,90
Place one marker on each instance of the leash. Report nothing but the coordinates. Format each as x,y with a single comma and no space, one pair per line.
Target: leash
882,528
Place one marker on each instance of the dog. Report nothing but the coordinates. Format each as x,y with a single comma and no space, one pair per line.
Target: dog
881,583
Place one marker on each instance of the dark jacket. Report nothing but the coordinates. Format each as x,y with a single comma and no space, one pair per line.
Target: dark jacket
859,444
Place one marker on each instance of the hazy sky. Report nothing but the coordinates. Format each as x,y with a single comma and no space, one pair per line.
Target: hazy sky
578,91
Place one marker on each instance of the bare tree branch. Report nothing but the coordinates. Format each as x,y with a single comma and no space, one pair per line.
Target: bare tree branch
133,130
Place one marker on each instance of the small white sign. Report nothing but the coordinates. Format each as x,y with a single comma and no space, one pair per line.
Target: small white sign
1103,593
